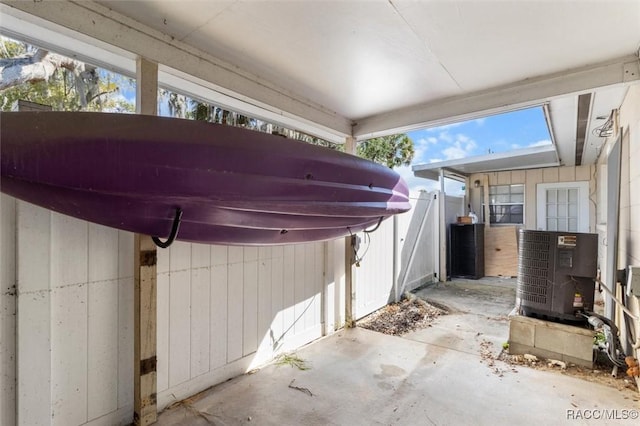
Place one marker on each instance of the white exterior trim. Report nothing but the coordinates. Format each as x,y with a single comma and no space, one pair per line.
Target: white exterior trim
583,203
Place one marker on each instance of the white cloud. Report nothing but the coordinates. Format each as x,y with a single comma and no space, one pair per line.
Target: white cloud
427,141
445,137
454,153
461,148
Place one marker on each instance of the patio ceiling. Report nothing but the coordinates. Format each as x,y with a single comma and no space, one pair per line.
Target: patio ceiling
368,68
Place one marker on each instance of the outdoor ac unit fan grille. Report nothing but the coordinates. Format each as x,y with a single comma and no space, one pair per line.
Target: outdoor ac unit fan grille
533,267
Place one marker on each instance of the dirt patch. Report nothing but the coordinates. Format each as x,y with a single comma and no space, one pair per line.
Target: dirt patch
501,363
488,357
399,318
600,374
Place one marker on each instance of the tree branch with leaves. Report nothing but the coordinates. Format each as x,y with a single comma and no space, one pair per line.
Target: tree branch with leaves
66,84
391,151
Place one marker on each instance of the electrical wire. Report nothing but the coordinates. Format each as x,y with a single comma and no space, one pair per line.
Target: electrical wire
614,350
606,129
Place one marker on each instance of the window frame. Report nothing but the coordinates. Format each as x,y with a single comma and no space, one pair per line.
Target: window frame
510,204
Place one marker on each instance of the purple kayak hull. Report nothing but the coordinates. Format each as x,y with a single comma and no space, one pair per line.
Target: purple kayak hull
234,186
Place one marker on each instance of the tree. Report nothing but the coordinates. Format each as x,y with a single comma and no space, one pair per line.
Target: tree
65,84
37,75
392,151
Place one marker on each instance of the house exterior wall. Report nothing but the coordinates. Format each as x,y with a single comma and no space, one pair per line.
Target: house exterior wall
629,244
501,240
531,178
629,213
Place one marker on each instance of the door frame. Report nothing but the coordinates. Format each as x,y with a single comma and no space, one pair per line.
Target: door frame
583,203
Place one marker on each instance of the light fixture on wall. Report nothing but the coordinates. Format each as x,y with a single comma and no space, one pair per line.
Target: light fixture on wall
476,183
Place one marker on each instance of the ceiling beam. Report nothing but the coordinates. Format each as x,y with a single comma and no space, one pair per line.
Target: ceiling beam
584,111
107,26
527,93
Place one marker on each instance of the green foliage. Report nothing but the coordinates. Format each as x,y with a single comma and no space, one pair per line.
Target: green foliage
66,88
391,151
292,360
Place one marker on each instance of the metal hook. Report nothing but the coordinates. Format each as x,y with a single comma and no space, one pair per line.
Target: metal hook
174,231
376,227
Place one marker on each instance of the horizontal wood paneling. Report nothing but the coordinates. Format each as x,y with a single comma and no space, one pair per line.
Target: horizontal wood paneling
500,247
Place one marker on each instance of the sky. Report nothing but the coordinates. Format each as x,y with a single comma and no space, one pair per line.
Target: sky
493,134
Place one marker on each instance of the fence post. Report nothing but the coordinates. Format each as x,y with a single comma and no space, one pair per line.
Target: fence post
145,291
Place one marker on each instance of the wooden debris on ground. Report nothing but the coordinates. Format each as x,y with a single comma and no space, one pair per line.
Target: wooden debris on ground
600,374
411,313
303,390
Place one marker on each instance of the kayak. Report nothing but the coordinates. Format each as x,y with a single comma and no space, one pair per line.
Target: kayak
191,180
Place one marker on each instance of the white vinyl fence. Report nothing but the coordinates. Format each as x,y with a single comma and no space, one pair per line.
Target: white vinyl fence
225,310
66,315
67,302
409,241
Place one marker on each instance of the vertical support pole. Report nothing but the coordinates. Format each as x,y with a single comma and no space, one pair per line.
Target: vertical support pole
487,210
146,87
349,265
396,260
145,277
442,223
145,292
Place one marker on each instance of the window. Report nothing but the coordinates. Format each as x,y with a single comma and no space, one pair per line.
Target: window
506,204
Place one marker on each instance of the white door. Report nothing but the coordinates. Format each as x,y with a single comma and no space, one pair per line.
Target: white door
563,206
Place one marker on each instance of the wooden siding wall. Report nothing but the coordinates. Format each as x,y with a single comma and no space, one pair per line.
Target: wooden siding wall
501,256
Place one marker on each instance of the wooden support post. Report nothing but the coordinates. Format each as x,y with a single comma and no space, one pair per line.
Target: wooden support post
442,230
487,211
146,87
349,258
145,293
145,257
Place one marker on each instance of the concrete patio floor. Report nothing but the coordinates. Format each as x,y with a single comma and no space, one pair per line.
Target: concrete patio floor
434,376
